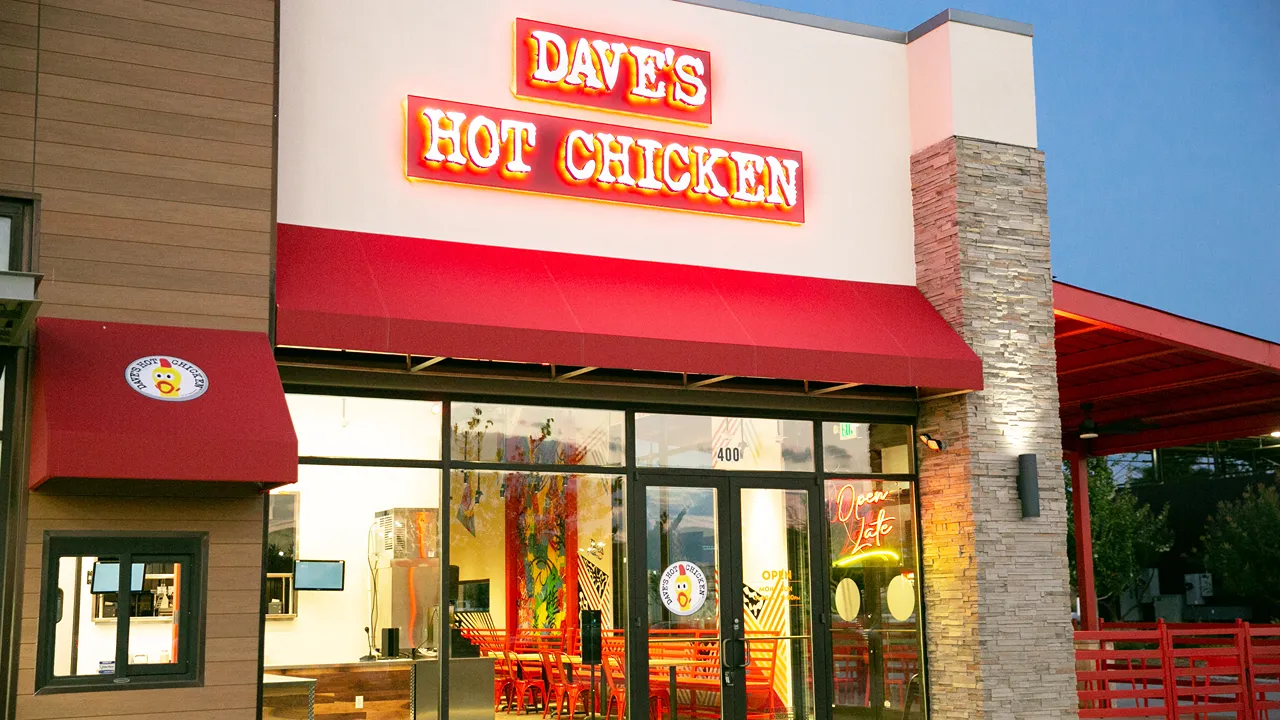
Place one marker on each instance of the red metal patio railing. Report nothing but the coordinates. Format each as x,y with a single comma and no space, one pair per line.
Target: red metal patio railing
1172,671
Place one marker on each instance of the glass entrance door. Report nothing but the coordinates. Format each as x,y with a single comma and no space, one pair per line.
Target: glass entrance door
723,596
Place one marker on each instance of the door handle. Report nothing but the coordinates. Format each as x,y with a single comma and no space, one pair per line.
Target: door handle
729,659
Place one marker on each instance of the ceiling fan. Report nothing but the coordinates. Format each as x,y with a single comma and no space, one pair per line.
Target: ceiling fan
1088,429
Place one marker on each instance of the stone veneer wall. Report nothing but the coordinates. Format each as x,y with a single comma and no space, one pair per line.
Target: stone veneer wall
996,585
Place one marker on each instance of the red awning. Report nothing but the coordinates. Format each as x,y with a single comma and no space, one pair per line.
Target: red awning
356,291
143,402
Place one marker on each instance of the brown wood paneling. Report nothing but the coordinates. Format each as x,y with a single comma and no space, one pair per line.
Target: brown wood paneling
76,134
109,93
231,649
16,103
138,703
18,126
155,56
175,16
231,555
135,208
152,165
385,689
16,149
156,78
145,317
142,186
161,233
149,254
12,80
231,629
16,175
21,35
259,9
18,58
147,299
94,272
152,121
234,625
91,23
19,11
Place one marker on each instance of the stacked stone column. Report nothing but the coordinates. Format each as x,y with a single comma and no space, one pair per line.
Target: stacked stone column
996,586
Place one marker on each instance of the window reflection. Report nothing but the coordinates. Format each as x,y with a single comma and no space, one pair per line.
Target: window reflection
723,443
485,432
867,448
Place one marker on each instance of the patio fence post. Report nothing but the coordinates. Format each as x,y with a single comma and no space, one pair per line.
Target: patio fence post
1244,642
1165,644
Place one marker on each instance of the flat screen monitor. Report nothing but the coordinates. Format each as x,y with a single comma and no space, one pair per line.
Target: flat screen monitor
475,596
106,578
319,574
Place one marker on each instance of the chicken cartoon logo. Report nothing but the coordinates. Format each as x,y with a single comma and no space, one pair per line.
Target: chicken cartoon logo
683,588
167,379
683,598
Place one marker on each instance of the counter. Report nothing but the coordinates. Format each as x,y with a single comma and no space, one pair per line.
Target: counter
392,689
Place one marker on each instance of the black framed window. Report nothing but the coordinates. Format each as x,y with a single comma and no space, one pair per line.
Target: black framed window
13,227
121,611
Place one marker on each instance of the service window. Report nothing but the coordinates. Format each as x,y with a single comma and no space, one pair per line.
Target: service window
120,612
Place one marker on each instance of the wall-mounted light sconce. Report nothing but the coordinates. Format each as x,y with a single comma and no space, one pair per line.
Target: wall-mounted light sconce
1029,485
931,443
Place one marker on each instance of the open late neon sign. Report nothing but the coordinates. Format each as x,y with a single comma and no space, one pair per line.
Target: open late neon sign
483,146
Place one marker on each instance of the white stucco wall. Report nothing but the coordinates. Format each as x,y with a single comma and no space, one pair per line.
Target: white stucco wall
840,99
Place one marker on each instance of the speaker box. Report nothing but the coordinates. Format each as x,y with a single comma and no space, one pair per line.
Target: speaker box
390,642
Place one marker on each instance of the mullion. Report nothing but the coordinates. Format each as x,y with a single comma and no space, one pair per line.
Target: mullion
124,610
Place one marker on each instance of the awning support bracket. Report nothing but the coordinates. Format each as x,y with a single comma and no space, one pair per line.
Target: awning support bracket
571,373
707,381
833,388
426,363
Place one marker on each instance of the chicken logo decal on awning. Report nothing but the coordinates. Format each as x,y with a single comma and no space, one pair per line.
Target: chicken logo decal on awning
166,378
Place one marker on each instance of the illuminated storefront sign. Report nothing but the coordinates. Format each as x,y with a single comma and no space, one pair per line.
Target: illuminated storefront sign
865,530
492,147
562,64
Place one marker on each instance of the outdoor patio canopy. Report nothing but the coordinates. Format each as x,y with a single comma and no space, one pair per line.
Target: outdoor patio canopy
1141,379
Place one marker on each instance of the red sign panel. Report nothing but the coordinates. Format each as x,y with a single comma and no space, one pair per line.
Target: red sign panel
561,64
492,147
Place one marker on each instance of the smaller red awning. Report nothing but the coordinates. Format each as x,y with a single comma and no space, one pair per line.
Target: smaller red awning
357,291
145,402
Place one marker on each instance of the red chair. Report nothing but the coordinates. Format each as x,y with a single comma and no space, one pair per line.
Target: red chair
504,680
617,682
563,691
530,682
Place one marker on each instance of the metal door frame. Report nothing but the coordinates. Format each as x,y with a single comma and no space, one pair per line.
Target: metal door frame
729,486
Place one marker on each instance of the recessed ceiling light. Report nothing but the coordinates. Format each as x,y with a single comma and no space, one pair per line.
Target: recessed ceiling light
1275,434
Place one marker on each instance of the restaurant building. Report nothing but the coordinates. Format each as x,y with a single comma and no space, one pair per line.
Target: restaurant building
686,359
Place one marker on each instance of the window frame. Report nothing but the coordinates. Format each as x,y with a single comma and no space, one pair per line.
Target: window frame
190,548
18,211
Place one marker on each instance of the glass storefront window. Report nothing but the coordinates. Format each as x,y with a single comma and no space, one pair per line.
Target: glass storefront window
867,448
875,626
484,432
282,545
529,553
723,443
333,426
383,523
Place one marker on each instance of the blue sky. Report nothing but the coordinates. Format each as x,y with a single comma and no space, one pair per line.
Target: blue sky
1160,123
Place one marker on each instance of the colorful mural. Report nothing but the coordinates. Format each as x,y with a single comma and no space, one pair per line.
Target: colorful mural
538,508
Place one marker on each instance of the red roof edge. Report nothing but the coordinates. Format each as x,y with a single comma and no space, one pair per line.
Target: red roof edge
1164,327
